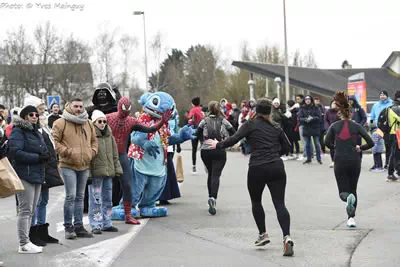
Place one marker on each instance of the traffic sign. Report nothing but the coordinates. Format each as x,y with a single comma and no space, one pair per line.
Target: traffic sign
53,99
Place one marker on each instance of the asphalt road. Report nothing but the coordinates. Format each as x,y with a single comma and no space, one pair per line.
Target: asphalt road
189,236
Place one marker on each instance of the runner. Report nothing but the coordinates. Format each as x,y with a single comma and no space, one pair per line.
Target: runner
214,126
343,136
265,168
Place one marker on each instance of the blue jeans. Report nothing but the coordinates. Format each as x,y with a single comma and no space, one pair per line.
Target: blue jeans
148,189
39,218
303,141
309,149
74,184
100,202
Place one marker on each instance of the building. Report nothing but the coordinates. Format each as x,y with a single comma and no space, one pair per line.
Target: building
66,80
325,82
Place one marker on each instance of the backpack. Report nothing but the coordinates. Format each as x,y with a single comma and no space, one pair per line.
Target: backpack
383,119
214,128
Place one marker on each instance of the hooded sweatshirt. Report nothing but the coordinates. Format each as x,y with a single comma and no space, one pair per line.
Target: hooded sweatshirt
310,117
359,115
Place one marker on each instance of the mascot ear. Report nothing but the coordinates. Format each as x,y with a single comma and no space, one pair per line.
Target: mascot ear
143,99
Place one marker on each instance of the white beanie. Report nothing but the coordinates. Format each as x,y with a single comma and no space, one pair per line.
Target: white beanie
31,100
276,101
97,114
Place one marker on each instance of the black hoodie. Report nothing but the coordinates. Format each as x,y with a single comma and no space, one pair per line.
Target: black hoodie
310,117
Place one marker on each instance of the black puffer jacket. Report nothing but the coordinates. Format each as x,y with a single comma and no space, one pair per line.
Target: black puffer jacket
52,174
26,144
310,117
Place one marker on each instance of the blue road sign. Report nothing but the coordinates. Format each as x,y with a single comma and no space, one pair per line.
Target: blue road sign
53,99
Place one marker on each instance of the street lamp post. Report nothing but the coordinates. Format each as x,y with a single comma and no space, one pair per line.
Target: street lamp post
278,82
139,13
287,91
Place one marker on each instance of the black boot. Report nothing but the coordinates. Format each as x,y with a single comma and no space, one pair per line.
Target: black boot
43,233
34,236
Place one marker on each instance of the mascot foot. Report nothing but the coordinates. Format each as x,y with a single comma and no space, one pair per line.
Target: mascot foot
154,212
117,214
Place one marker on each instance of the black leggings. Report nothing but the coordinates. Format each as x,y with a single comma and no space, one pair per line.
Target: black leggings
215,162
195,144
388,147
347,174
274,176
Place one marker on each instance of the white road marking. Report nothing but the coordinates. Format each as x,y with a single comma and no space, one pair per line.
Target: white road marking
60,225
101,254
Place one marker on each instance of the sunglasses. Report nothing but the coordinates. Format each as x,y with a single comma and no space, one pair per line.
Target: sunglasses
33,115
101,122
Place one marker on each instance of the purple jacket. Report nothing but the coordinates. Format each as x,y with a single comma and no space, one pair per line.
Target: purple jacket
330,117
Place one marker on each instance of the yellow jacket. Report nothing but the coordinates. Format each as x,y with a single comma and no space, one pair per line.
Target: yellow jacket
394,121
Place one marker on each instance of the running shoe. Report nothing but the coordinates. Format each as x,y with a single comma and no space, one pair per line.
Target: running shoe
307,161
288,246
194,170
378,170
332,165
372,168
300,158
320,162
262,240
96,231
284,158
30,248
391,178
350,206
112,229
212,206
291,157
351,223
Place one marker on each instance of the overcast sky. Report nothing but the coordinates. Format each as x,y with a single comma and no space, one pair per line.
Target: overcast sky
362,31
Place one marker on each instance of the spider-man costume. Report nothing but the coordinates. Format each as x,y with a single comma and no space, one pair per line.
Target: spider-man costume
122,125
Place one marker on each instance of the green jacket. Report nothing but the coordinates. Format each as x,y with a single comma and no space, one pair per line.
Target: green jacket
106,162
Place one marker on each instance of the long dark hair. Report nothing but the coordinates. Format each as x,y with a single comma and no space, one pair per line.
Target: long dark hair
214,108
343,106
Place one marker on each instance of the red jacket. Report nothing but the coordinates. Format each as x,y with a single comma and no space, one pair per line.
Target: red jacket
195,116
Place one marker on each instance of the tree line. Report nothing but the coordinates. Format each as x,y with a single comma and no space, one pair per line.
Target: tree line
200,70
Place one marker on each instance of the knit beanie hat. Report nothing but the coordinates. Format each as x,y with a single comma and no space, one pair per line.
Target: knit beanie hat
31,100
384,92
26,110
97,114
196,101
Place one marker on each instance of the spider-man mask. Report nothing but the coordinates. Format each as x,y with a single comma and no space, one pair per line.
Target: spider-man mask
124,107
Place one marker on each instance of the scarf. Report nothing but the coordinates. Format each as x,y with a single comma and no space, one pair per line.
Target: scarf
136,152
80,119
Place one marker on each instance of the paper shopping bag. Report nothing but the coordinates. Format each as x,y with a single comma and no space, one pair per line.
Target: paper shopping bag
179,169
10,183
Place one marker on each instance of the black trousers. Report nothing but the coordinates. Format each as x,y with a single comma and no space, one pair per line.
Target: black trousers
378,160
332,151
274,176
214,160
195,145
394,158
294,144
322,142
347,174
388,147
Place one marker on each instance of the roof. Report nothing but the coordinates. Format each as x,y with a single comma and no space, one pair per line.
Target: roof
75,73
327,81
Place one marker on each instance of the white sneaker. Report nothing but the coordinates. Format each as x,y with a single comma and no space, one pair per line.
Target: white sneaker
30,248
351,223
291,157
284,158
300,158
332,165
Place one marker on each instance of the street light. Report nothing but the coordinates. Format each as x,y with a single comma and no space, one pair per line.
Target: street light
278,82
139,13
286,54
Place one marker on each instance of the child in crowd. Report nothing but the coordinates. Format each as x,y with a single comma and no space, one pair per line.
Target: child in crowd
377,150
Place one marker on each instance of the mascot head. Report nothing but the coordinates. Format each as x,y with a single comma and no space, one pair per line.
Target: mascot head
156,104
124,107
104,95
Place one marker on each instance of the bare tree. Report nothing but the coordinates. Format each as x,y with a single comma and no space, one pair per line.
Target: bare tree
127,44
48,50
105,49
18,53
309,60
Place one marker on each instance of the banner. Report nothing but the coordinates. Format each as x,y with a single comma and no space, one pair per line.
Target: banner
357,86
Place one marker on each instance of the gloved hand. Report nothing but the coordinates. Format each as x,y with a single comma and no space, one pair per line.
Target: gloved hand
187,133
309,119
151,148
178,148
43,157
166,116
